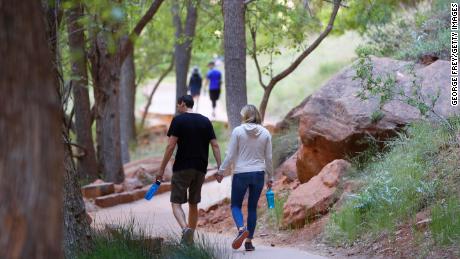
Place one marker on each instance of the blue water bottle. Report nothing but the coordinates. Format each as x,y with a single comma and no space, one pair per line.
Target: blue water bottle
270,198
153,189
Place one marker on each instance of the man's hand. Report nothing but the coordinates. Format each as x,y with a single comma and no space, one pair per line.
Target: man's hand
219,177
270,184
159,176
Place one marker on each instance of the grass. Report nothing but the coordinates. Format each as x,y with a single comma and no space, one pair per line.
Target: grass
126,241
285,144
410,177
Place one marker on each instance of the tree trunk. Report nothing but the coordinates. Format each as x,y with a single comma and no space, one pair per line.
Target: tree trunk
106,75
183,44
235,59
87,165
264,103
127,105
31,152
77,234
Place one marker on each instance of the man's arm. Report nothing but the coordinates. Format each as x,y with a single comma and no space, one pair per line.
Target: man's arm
216,152
172,141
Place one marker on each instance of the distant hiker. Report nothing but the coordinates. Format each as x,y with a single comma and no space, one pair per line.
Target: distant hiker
214,80
250,151
192,132
195,86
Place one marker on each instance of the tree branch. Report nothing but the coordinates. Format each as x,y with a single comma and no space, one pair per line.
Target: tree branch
342,5
246,2
157,84
253,34
126,48
310,49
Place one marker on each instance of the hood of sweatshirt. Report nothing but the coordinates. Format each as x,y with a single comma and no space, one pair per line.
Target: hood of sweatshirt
253,130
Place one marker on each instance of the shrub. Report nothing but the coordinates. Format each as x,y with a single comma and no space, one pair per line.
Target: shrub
399,184
445,224
412,34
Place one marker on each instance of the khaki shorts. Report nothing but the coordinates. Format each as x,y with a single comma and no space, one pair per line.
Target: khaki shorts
190,179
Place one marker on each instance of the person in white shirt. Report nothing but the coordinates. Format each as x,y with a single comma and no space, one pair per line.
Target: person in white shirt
250,153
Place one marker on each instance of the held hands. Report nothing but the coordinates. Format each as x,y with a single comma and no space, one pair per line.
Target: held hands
219,177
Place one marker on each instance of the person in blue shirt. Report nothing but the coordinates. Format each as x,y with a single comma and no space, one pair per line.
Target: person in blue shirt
214,80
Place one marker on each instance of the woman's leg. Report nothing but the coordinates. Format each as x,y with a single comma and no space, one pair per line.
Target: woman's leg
255,189
239,186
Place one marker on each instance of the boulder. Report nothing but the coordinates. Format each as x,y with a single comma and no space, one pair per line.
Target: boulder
131,184
288,168
334,122
97,189
145,169
316,196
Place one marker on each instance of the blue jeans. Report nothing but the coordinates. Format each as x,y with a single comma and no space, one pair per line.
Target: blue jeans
254,181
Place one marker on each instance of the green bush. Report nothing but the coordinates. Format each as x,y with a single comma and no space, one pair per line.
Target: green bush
412,34
399,184
285,144
445,224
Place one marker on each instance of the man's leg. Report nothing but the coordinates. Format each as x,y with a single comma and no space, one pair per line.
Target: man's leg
179,214
192,215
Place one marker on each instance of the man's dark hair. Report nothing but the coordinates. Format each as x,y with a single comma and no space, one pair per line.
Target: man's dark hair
211,63
187,99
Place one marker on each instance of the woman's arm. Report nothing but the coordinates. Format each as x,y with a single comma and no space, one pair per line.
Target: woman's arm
231,153
268,159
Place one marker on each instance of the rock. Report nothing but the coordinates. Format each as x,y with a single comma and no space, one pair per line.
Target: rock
423,224
131,184
118,188
147,168
288,168
349,187
114,199
314,197
97,189
334,122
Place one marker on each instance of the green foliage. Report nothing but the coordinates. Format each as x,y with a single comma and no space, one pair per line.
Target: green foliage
412,33
385,88
445,224
285,144
399,184
126,241
360,15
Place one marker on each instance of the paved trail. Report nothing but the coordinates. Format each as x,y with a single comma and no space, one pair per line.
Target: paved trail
156,218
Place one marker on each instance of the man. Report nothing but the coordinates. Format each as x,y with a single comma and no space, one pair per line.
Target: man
214,79
192,132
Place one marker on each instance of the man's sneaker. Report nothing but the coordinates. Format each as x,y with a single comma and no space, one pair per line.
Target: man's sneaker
242,235
248,246
187,236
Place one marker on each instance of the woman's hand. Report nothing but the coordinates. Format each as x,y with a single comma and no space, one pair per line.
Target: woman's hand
269,184
219,177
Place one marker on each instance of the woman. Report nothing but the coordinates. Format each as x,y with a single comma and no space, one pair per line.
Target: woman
195,86
250,151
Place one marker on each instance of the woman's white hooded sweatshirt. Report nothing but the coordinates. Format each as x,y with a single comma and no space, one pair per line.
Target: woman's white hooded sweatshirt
249,150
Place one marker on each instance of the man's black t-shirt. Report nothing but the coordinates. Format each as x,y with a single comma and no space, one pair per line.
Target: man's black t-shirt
194,132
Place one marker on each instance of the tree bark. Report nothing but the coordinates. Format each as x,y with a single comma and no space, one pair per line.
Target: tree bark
31,152
106,68
235,59
127,105
87,165
77,235
183,45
